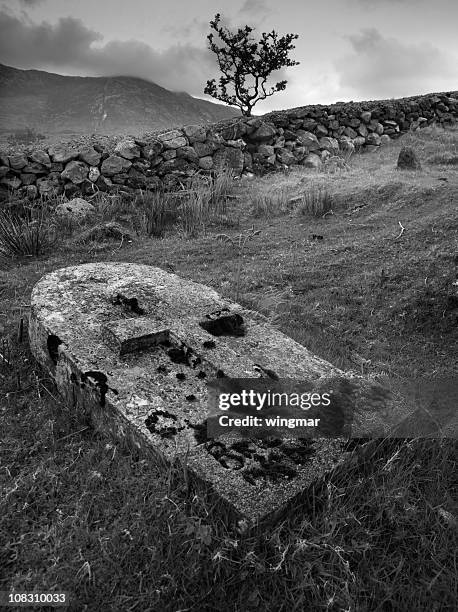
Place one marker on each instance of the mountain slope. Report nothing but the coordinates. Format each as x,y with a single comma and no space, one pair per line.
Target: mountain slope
53,103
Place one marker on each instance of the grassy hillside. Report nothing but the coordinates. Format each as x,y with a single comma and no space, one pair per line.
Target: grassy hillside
359,263
56,104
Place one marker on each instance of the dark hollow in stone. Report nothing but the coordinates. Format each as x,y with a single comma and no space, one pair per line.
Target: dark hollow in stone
53,343
181,376
224,325
201,375
131,303
180,355
208,344
101,383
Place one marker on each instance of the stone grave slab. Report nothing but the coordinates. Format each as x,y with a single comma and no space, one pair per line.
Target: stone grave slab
134,346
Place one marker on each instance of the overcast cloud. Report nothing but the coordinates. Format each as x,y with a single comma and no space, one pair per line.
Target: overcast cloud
378,64
347,49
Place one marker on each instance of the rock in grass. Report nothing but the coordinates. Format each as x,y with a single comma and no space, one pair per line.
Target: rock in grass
408,160
111,230
78,208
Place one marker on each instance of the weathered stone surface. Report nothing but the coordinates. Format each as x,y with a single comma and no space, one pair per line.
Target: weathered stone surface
41,157
187,153
124,343
172,139
4,161
93,174
321,130
90,156
228,157
153,149
263,133
4,171
373,139
173,165
366,116
78,208
104,184
384,139
362,130
195,133
75,171
266,150
206,163
128,149
169,154
47,187
35,168
359,142
309,140
312,161
284,156
408,159
347,145
350,132
330,144
17,161
234,131
114,165
62,153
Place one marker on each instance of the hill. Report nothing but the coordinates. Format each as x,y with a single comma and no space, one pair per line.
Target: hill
57,104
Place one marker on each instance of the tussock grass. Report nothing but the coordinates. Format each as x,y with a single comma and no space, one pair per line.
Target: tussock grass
316,200
30,231
155,211
271,202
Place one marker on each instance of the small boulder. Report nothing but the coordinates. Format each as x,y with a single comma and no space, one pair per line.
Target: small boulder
75,171
308,140
350,132
373,139
76,209
284,156
94,174
63,153
330,144
266,150
228,157
366,116
128,149
408,160
17,162
263,133
206,163
90,156
115,165
312,161
173,139
40,157
195,133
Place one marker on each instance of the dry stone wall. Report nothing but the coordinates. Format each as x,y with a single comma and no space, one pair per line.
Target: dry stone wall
301,136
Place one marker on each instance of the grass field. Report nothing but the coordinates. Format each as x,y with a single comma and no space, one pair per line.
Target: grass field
377,293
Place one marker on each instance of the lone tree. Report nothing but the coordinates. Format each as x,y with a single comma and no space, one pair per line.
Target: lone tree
243,58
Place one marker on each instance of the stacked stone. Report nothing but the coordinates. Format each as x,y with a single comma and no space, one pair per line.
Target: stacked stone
305,136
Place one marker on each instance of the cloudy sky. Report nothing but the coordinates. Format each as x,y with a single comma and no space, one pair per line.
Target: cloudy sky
347,49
